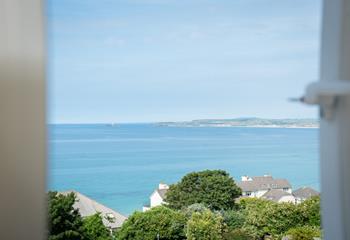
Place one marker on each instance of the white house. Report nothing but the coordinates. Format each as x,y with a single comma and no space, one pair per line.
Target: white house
157,197
304,193
279,196
259,186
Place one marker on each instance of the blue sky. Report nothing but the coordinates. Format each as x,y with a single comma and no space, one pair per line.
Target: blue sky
170,60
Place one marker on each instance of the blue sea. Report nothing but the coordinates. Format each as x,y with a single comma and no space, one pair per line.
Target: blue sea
121,165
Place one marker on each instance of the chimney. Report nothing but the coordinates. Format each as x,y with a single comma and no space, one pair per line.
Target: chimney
246,178
163,186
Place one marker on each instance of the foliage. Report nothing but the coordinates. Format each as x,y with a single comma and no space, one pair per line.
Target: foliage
197,207
265,217
234,219
65,222
237,234
157,222
311,211
94,229
205,226
213,188
303,233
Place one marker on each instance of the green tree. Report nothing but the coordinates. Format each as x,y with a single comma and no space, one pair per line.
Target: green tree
65,222
94,229
157,223
213,188
205,226
303,233
197,207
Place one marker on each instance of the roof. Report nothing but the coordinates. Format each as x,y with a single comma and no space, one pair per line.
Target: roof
262,178
162,192
275,195
263,183
88,207
305,192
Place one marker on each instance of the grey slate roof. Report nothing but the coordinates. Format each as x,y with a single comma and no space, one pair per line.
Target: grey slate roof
162,192
305,193
88,207
275,195
263,183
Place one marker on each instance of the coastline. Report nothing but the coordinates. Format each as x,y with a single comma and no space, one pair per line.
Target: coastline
253,126
246,123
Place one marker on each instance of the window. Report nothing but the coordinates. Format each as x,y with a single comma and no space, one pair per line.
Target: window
333,132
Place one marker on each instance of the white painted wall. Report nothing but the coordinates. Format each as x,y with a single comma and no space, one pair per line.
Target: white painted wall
156,199
260,193
287,199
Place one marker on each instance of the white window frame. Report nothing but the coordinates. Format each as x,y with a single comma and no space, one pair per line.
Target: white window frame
335,123
22,120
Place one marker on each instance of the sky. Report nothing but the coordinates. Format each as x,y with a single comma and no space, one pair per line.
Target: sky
176,60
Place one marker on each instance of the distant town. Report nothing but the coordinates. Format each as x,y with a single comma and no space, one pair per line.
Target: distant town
246,122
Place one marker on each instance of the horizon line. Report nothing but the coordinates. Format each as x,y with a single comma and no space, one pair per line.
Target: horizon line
177,121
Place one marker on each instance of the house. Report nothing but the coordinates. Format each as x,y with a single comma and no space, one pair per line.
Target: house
157,197
87,207
258,186
304,193
279,196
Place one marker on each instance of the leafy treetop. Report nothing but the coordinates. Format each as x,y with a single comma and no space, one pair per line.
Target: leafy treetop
213,188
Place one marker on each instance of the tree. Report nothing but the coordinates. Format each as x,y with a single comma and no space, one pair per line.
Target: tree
205,226
157,223
197,207
65,222
94,229
213,188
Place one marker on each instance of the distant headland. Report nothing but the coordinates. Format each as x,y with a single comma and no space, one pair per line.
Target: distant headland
246,122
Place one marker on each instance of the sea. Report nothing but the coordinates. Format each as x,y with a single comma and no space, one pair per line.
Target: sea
119,165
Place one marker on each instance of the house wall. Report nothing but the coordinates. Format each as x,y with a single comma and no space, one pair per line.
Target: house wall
144,208
156,199
289,190
256,194
259,194
289,199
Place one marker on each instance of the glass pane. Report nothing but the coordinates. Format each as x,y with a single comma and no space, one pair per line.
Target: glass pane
144,92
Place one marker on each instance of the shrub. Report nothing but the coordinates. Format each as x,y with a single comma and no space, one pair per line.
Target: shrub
234,218
311,211
265,217
303,233
157,223
237,234
205,226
